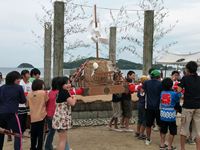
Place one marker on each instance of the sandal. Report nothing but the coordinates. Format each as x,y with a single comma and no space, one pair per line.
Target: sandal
163,147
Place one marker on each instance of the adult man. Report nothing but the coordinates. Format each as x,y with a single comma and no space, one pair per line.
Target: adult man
191,105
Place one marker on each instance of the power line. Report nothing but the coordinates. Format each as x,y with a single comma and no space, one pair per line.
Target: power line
89,6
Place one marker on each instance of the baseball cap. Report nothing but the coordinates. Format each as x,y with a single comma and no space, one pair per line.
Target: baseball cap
155,73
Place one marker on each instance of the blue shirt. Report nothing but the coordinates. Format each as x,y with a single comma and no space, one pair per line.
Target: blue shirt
10,97
167,103
152,89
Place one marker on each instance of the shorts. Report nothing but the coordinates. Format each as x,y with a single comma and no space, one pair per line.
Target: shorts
151,115
165,125
141,117
117,112
187,116
127,108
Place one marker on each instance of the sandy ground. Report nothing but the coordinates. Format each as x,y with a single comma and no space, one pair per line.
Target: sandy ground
101,138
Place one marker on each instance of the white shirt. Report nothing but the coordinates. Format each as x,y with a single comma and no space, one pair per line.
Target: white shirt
26,87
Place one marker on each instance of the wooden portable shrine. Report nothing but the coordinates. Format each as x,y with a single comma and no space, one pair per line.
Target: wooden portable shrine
99,77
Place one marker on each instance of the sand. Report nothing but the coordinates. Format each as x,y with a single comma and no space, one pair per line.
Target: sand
101,138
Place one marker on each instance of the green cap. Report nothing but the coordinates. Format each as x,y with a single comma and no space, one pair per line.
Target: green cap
155,73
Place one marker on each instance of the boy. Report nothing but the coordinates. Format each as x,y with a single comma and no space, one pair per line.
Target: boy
35,74
169,99
22,111
141,125
127,103
116,105
191,104
152,89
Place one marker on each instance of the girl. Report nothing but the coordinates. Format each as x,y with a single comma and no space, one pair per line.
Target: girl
11,94
37,100
62,117
51,106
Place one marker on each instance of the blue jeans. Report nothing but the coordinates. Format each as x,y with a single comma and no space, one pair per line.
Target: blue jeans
48,144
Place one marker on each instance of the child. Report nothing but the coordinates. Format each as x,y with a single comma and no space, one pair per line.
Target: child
62,117
127,104
35,74
11,94
116,105
141,112
51,106
37,100
152,89
169,98
22,111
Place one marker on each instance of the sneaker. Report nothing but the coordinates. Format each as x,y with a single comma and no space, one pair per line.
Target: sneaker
155,128
128,130
190,141
163,147
116,129
142,137
147,141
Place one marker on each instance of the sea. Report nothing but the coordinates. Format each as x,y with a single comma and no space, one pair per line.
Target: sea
67,72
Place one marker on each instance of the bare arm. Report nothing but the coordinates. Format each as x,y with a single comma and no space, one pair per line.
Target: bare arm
71,100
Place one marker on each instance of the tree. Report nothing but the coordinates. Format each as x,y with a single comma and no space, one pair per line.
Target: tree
74,18
132,31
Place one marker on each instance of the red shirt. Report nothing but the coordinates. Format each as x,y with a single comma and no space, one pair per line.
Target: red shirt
51,104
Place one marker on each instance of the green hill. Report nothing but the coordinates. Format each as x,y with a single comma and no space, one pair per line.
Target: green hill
121,64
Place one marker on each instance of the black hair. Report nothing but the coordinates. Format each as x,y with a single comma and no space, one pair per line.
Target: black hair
11,77
150,70
37,84
24,72
167,84
130,73
174,72
191,67
61,81
54,83
34,71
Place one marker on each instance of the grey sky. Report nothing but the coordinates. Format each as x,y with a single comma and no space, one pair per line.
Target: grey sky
18,20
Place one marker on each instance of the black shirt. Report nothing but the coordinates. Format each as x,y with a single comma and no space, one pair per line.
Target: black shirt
116,98
152,89
191,84
10,98
62,96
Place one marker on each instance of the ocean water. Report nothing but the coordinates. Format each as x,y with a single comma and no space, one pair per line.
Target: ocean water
4,71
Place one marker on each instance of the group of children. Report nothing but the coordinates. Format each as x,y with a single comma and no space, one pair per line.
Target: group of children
22,95
159,99
159,102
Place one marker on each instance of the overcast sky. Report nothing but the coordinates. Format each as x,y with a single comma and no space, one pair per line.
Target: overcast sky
18,19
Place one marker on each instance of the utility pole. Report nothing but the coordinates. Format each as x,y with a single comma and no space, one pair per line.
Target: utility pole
148,40
58,44
47,54
112,45
96,25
